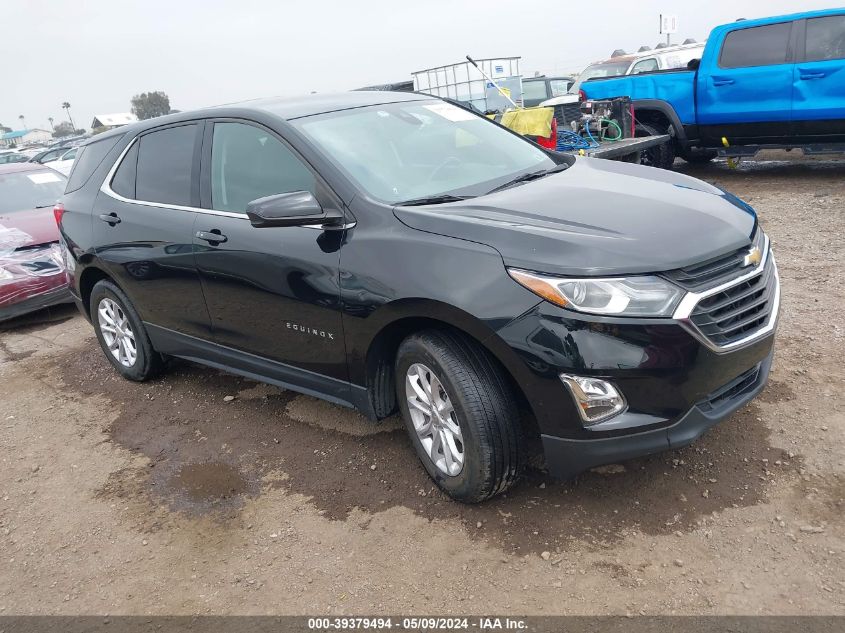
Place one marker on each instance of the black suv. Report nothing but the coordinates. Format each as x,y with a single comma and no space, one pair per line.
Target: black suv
391,250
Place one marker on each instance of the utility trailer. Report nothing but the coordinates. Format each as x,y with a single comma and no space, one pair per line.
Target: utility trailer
493,86
629,150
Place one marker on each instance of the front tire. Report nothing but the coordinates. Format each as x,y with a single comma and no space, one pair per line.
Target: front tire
122,334
699,156
460,413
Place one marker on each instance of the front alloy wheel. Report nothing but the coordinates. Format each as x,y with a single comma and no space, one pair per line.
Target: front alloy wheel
117,332
434,419
461,414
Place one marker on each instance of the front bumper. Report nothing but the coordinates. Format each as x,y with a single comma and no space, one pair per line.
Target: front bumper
566,457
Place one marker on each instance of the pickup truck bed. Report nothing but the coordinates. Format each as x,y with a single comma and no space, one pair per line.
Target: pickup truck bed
772,82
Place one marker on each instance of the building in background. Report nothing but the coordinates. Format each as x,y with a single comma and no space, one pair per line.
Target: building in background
25,137
109,121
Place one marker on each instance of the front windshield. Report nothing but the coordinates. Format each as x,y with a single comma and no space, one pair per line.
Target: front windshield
418,149
608,69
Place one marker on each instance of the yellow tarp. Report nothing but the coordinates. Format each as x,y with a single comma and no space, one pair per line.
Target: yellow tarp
528,121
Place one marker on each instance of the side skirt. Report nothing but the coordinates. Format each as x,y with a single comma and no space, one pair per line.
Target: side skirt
234,361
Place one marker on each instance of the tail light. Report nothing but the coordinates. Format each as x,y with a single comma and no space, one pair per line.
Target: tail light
58,212
582,95
550,142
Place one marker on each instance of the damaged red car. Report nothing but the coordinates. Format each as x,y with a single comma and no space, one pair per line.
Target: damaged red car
33,274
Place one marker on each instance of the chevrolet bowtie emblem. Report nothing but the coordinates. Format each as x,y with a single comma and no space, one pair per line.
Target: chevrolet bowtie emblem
753,257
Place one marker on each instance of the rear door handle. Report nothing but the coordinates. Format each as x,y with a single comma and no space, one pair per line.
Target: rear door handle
212,237
724,81
806,76
110,218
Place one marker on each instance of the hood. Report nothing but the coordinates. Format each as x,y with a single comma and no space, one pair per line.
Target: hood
598,217
561,100
34,226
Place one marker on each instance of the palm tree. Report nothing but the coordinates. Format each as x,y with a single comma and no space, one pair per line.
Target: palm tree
23,121
66,108
52,127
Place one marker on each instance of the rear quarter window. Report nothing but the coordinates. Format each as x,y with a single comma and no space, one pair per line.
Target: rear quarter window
756,46
88,158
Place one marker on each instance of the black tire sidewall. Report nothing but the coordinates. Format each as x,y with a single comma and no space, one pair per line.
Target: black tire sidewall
148,362
466,484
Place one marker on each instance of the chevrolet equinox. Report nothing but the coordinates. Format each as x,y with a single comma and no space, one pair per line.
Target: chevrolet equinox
393,251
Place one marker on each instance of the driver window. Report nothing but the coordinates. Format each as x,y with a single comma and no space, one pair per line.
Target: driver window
248,163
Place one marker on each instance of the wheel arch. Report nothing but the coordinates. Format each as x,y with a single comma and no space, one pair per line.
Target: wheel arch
87,280
376,365
662,113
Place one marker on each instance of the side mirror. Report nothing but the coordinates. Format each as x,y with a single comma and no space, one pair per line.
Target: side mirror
297,208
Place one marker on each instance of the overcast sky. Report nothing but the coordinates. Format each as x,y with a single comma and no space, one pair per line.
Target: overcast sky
96,54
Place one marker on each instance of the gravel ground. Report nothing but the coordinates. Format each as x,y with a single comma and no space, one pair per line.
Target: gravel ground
164,498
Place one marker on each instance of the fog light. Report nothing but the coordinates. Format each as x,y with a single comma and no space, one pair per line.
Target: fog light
596,400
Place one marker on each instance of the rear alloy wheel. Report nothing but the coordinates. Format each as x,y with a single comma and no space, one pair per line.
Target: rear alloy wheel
117,333
661,156
122,334
460,413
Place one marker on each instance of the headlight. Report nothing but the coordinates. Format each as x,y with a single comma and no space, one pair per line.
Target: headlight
644,296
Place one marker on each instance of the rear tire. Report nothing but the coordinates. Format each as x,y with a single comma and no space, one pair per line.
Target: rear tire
479,415
122,334
660,156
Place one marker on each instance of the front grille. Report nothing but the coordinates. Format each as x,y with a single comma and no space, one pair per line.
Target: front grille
735,388
738,311
716,271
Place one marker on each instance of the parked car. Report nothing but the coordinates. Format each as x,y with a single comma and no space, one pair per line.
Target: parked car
32,270
772,82
537,89
12,157
393,251
64,163
48,155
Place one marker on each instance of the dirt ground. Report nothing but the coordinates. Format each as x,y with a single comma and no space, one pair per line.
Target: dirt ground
164,498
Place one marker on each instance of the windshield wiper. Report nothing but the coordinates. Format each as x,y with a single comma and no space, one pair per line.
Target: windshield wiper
531,175
438,199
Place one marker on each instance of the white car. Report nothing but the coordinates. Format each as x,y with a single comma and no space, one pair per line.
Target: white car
65,162
665,58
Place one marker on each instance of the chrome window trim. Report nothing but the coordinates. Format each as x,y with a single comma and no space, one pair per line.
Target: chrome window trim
106,189
684,310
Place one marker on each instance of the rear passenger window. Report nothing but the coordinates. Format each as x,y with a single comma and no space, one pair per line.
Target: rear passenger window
123,182
89,158
165,160
645,66
825,38
756,46
248,163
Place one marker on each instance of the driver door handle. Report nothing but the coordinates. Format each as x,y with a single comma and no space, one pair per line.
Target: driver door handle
212,237
110,218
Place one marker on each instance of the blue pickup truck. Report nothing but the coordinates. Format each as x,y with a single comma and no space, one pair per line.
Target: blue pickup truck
772,82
